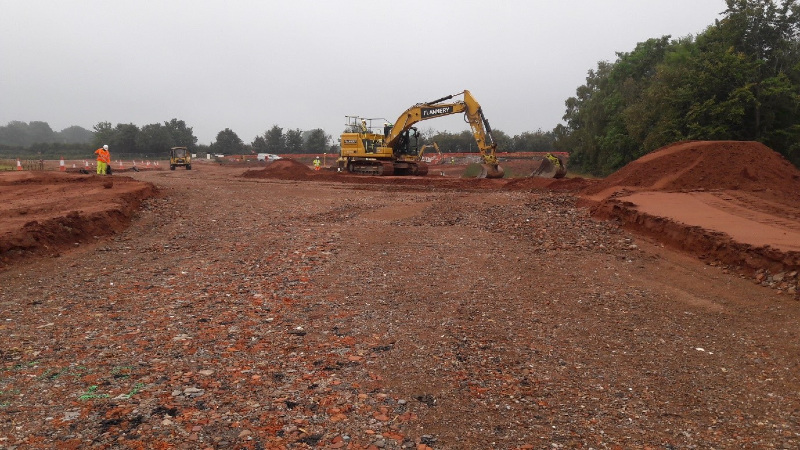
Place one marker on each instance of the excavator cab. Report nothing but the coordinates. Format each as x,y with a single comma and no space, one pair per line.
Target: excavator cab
408,143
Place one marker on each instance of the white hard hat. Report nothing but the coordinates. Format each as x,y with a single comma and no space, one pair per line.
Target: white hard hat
105,147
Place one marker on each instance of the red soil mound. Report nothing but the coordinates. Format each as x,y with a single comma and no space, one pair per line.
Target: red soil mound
706,165
752,192
288,169
287,165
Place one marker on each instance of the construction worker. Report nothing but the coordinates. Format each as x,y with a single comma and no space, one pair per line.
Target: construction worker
103,159
317,163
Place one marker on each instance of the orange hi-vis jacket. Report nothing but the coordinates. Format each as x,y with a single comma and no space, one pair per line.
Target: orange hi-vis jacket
103,155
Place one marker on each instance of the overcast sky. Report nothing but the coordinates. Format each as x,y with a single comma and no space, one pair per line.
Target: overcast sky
249,65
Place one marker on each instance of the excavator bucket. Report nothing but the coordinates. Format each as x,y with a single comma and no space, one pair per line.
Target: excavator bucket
491,171
548,169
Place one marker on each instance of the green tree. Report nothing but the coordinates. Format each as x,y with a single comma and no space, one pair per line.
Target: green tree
40,132
25,134
739,79
768,33
538,141
155,139
316,141
124,140
75,135
294,141
453,143
274,140
586,119
181,135
259,145
227,142
104,133
15,134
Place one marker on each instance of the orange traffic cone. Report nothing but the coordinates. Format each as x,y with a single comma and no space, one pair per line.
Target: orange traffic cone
19,165
62,166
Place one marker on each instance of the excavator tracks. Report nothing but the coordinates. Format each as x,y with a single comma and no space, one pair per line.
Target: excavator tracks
379,168
386,168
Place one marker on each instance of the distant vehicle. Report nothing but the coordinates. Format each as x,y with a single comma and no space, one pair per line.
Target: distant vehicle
180,156
268,157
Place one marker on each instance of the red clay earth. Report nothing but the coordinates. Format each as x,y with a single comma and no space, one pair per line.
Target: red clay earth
47,212
283,308
728,201
445,175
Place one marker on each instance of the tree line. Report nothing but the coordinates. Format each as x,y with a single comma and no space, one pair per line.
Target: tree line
21,134
737,80
154,139
464,142
129,140
275,141
37,139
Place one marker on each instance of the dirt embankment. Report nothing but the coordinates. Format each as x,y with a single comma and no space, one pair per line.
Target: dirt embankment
733,202
44,213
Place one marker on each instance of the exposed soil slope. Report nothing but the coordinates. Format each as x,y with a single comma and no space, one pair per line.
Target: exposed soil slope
47,212
735,202
707,165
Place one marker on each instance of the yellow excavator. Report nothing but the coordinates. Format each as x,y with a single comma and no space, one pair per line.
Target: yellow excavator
394,149
435,159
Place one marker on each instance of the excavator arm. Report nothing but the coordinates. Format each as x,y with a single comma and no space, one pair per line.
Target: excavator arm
473,114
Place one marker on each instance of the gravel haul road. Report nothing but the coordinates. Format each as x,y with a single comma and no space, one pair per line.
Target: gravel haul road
253,310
